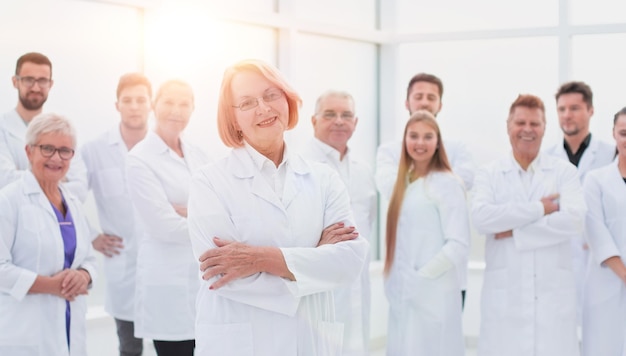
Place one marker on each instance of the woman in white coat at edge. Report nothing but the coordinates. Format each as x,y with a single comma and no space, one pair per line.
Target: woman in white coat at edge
46,264
604,308
159,170
274,233
427,241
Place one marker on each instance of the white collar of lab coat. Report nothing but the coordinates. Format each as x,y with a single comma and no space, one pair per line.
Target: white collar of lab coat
31,186
538,164
115,140
260,160
330,152
115,136
244,166
14,124
160,147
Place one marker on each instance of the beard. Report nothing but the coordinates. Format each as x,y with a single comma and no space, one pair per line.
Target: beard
571,132
33,102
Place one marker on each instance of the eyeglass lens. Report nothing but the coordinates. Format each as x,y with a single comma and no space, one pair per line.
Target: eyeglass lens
30,81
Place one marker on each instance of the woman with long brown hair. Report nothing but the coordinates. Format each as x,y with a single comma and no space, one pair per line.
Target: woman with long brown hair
427,241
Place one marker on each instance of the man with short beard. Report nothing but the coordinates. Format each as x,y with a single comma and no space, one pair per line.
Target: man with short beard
33,80
574,104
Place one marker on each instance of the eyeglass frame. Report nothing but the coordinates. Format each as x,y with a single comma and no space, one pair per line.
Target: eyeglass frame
271,90
337,114
43,82
55,150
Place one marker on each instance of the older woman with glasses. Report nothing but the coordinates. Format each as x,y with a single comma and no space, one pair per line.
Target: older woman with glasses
274,233
46,265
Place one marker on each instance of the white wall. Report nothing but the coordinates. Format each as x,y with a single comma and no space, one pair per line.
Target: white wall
481,79
599,61
90,45
486,53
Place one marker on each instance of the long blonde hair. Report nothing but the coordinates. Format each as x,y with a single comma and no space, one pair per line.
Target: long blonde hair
438,163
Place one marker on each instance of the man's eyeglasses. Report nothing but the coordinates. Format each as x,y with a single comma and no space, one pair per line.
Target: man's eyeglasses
30,81
268,96
48,151
331,115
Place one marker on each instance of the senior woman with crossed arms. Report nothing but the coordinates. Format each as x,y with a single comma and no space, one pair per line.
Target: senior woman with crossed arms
274,233
46,265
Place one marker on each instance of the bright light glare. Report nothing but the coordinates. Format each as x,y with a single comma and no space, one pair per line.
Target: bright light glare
178,40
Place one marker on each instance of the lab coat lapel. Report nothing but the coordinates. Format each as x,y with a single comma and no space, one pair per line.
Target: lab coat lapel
296,167
243,167
15,125
559,151
261,189
32,188
115,140
79,225
541,185
586,161
616,180
511,175
193,157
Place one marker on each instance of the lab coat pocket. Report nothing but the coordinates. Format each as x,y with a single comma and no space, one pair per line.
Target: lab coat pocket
110,182
329,338
224,339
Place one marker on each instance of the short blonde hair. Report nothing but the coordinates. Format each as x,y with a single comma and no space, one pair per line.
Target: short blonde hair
226,125
49,123
172,83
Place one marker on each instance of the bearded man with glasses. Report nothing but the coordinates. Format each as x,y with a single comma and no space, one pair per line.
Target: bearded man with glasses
33,80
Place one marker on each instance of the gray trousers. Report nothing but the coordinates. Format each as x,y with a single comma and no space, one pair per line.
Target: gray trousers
129,344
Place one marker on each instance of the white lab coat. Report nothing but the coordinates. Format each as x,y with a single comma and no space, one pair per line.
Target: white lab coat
528,297
388,160
31,244
352,304
105,159
425,310
604,310
598,154
14,162
167,272
264,314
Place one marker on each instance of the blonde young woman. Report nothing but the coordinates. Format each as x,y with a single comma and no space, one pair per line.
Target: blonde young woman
427,241
159,170
604,309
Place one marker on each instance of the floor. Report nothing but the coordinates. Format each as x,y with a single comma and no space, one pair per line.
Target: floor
102,340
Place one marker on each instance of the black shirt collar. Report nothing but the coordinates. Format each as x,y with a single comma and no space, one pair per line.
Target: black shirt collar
574,158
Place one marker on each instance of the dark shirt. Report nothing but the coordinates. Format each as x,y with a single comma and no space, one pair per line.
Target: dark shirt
574,158
68,233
